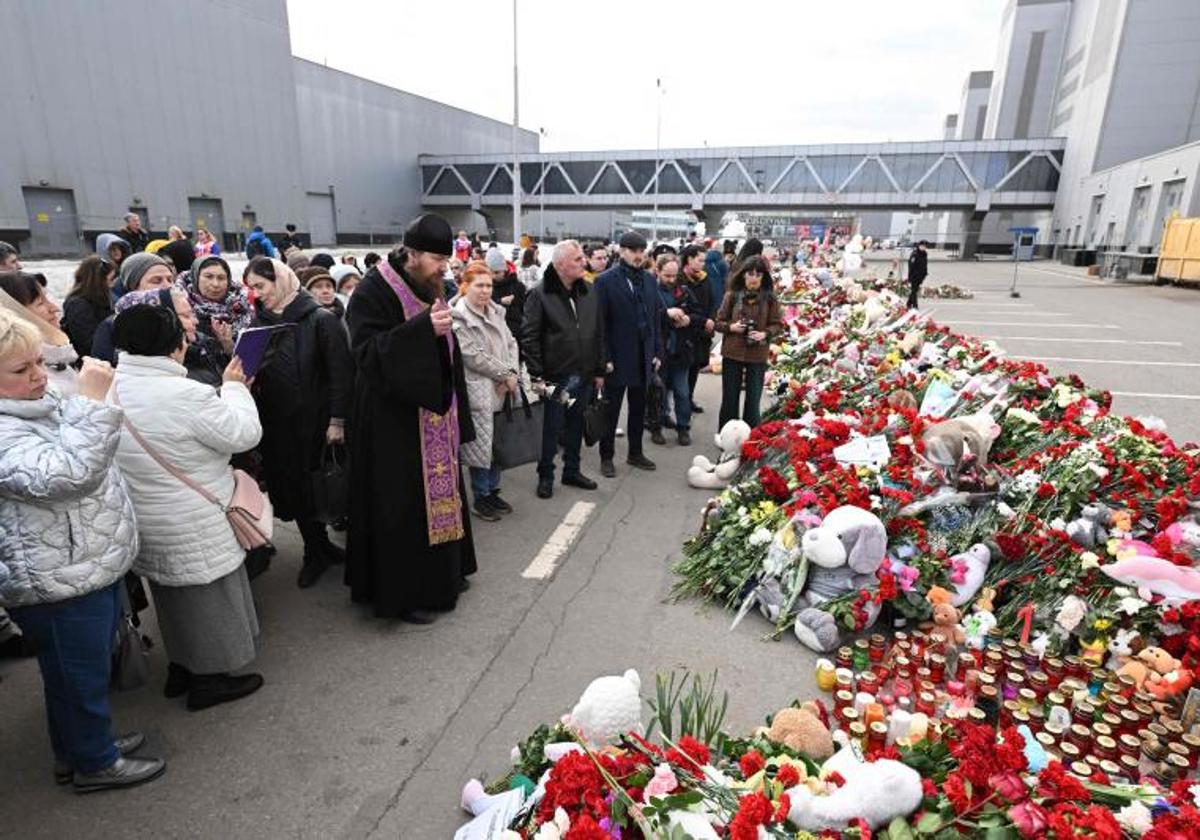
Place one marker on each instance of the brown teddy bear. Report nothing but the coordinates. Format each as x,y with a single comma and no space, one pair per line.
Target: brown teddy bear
1158,672
801,730
945,629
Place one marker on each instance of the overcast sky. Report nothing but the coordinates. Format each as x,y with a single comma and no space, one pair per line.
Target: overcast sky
734,73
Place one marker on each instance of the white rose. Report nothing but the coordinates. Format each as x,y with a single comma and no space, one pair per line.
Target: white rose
1135,818
760,536
1088,560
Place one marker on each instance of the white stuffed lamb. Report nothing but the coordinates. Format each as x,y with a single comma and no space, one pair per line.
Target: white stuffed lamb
878,791
609,707
707,475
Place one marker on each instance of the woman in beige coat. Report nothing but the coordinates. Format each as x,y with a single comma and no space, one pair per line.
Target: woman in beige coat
489,354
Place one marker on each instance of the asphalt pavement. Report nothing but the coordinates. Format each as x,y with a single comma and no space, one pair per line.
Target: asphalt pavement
368,728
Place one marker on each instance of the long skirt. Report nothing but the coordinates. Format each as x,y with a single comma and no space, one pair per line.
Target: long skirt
209,628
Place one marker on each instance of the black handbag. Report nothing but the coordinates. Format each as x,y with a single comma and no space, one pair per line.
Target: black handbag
654,402
331,486
595,418
517,435
130,658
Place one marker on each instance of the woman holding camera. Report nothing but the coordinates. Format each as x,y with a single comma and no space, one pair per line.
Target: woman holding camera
749,317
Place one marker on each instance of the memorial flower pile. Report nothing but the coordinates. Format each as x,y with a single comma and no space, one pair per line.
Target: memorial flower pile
808,774
977,466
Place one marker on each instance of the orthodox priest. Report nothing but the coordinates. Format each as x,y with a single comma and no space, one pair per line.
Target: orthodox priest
409,547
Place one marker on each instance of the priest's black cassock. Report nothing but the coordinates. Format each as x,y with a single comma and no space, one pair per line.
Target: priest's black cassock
402,367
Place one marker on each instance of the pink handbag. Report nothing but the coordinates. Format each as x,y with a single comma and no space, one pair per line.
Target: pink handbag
249,511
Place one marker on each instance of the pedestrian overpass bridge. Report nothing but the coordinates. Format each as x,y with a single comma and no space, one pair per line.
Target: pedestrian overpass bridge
969,176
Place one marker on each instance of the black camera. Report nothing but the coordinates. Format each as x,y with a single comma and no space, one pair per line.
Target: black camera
752,326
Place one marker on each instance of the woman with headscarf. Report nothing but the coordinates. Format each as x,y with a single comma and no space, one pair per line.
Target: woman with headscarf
303,392
141,272
189,553
205,359
41,312
220,304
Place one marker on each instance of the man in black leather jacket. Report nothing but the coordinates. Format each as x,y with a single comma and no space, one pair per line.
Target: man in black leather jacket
562,342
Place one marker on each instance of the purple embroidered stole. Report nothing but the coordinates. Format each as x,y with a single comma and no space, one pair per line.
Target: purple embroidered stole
439,437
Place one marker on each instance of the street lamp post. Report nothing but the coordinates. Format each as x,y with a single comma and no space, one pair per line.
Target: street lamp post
516,176
542,190
657,154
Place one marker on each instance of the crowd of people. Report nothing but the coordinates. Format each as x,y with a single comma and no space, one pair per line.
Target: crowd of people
131,432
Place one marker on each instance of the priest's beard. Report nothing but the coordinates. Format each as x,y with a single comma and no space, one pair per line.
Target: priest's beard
427,290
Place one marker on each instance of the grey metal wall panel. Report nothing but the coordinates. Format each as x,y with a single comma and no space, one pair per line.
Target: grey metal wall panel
363,139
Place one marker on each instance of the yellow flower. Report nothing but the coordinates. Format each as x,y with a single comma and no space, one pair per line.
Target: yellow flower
1102,623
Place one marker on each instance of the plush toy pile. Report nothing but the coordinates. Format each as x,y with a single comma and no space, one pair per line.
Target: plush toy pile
906,470
805,773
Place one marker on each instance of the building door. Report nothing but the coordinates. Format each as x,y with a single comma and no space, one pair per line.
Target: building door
206,213
1138,209
1094,212
53,223
1170,201
322,221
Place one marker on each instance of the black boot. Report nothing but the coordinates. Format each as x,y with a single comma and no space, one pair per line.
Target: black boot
212,689
314,566
179,680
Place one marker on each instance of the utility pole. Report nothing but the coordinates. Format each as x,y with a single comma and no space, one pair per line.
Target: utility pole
516,175
658,95
542,192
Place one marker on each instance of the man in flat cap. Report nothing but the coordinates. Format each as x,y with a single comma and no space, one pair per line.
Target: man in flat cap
632,312
409,548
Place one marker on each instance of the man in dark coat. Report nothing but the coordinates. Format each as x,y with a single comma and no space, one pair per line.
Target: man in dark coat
632,312
918,270
409,546
134,233
692,260
562,341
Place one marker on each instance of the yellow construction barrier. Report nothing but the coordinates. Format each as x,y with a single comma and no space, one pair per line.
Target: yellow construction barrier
1179,252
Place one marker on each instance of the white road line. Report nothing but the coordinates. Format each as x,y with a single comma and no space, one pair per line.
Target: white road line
1085,340
1155,396
1039,324
1131,362
1080,278
543,565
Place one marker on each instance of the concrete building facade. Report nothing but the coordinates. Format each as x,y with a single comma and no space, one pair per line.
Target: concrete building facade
225,132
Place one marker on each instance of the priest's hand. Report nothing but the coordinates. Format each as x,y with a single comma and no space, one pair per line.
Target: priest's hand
439,314
599,383
335,434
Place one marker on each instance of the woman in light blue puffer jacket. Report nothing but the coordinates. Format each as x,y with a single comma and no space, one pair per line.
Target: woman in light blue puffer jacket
67,535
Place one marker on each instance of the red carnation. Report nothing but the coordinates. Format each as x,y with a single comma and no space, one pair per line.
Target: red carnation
690,753
956,791
751,763
788,776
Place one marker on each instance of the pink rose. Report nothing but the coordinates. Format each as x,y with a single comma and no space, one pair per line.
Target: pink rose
664,782
1010,786
958,571
1029,819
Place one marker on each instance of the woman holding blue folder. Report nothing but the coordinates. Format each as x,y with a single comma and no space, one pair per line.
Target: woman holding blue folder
303,390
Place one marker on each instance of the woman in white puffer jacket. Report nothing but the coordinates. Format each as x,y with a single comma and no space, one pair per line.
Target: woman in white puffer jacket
188,550
67,536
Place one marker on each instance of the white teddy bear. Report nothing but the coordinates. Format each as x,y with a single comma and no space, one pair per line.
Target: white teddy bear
608,708
707,475
878,791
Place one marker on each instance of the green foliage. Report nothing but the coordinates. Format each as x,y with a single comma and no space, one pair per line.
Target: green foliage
687,704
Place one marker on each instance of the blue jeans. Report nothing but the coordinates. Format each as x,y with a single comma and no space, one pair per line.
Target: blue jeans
732,373
677,386
484,481
567,420
74,641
